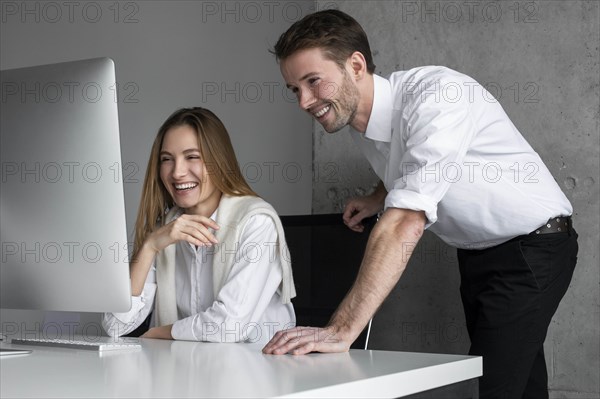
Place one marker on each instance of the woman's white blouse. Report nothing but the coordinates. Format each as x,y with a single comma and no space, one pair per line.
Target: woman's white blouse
248,308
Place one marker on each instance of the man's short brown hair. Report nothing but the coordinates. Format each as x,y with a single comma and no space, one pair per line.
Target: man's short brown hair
335,32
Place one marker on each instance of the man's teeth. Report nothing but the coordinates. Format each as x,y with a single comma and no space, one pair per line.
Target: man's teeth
185,186
322,112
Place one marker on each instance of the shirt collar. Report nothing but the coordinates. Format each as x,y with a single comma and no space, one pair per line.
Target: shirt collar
379,126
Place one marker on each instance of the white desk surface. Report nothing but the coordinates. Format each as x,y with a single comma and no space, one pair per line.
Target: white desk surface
195,369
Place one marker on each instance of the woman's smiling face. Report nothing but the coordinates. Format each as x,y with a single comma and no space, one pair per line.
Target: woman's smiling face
184,174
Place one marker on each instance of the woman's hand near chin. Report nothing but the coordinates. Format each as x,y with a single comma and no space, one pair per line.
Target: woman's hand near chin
194,229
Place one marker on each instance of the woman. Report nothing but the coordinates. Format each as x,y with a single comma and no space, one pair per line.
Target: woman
210,259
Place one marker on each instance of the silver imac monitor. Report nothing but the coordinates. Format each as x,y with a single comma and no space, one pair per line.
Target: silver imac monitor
62,211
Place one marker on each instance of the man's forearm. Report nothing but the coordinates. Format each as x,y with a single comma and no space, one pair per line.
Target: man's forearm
388,250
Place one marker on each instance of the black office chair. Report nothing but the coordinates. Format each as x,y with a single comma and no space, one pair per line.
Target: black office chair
326,256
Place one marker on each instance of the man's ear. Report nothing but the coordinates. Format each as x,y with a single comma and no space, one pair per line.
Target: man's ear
357,65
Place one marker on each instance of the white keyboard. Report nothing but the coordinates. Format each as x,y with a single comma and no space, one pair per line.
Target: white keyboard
97,346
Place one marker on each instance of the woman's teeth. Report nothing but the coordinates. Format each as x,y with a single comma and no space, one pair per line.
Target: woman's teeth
185,186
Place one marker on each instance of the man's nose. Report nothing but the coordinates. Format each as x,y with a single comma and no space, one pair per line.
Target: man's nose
306,98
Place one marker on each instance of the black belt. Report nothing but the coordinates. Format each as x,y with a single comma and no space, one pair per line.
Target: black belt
559,224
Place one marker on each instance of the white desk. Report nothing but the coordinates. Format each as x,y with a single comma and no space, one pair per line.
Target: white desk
195,369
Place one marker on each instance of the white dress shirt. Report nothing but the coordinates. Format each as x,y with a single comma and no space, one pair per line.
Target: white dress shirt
442,144
248,308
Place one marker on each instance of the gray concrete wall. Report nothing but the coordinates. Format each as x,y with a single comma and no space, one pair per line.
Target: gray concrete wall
541,60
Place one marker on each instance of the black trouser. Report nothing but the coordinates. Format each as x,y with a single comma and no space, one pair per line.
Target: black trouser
510,293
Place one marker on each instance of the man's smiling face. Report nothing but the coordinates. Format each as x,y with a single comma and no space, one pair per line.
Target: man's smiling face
323,90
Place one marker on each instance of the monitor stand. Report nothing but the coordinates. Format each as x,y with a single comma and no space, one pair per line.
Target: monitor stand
12,352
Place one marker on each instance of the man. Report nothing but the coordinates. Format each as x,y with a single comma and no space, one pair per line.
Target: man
449,160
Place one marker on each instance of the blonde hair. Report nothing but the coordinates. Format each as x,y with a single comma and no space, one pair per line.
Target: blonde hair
217,154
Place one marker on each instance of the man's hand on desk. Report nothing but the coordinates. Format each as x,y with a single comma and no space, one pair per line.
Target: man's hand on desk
162,332
303,340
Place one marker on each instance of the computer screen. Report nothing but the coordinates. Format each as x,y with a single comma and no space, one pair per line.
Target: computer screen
326,256
62,210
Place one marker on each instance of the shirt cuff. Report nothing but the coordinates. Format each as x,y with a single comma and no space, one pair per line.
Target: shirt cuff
183,329
137,304
406,199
